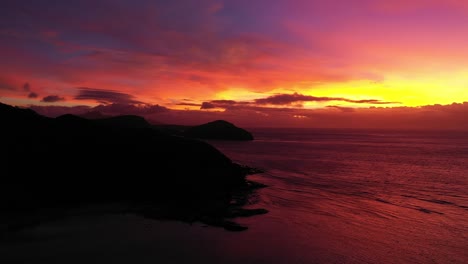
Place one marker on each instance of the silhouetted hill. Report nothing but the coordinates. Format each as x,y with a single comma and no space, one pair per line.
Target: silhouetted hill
71,120
177,130
17,116
219,129
94,115
126,121
71,160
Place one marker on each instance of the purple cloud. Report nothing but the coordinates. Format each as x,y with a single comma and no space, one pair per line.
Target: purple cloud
294,99
207,105
287,99
105,96
6,85
26,87
342,108
33,95
130,109
189,104
52,99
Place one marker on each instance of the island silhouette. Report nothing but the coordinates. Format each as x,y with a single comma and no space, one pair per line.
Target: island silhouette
218,129
71,161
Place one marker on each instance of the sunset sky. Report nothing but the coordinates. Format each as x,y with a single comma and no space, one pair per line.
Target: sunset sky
280,62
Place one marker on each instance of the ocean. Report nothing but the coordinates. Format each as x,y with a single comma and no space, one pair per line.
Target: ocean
364,196
333,195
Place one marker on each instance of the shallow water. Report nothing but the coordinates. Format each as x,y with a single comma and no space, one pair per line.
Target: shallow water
334,196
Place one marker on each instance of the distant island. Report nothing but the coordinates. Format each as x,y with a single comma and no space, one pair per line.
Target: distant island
218,129
72,161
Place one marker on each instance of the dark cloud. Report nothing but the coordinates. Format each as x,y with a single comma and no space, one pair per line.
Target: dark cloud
207,105
222,104
52,99
225,102
6,85
370,101
105,96
26,87
291,100
288,99
342,108
189,104
130,109
33,95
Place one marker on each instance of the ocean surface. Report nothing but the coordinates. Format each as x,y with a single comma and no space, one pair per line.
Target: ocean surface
334,196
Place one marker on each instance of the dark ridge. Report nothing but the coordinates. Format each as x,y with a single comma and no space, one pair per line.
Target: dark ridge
70,119
16,116
177,130
71,161
219,129
94,115
124,121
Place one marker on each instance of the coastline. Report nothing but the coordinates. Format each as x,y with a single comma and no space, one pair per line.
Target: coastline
119,159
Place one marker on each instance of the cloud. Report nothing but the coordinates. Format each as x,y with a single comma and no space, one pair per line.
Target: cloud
368,101
131,109
287,99
179,47
26,87
225,102
208,105
291,100
33,95
185,48
188,104
343,109
402,6
105,96
6,85
52,99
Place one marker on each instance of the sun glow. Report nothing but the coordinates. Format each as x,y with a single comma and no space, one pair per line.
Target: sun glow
403,91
